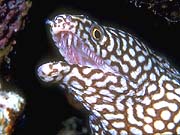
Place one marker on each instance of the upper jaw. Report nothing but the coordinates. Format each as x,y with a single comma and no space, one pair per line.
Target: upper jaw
62,23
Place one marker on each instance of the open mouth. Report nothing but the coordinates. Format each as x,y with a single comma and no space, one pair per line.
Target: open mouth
75,51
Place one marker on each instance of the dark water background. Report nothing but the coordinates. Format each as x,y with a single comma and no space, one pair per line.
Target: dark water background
47,106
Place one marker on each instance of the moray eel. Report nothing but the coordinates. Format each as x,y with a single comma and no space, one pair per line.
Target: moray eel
126,87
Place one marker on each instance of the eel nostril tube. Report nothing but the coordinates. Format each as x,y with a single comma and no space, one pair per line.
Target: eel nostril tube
49,22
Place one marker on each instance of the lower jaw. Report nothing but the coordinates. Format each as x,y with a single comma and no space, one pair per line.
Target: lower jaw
84,61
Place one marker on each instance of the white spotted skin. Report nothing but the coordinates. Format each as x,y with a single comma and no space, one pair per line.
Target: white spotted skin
141,96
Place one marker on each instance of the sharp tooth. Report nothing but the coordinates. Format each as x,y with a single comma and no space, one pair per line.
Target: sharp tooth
62,35
88,52
62,44
95,59
75,41
69,39
70,51
65,41
102,62
91,55
73,56
85,49
94,56
99,61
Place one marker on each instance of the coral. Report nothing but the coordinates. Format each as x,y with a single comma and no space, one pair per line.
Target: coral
11,106
12,18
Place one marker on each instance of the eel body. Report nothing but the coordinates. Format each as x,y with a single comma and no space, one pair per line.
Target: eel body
125,85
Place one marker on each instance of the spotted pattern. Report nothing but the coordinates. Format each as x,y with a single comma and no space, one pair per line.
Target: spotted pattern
126,87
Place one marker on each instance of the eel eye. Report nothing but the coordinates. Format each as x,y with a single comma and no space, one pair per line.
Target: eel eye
96,33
